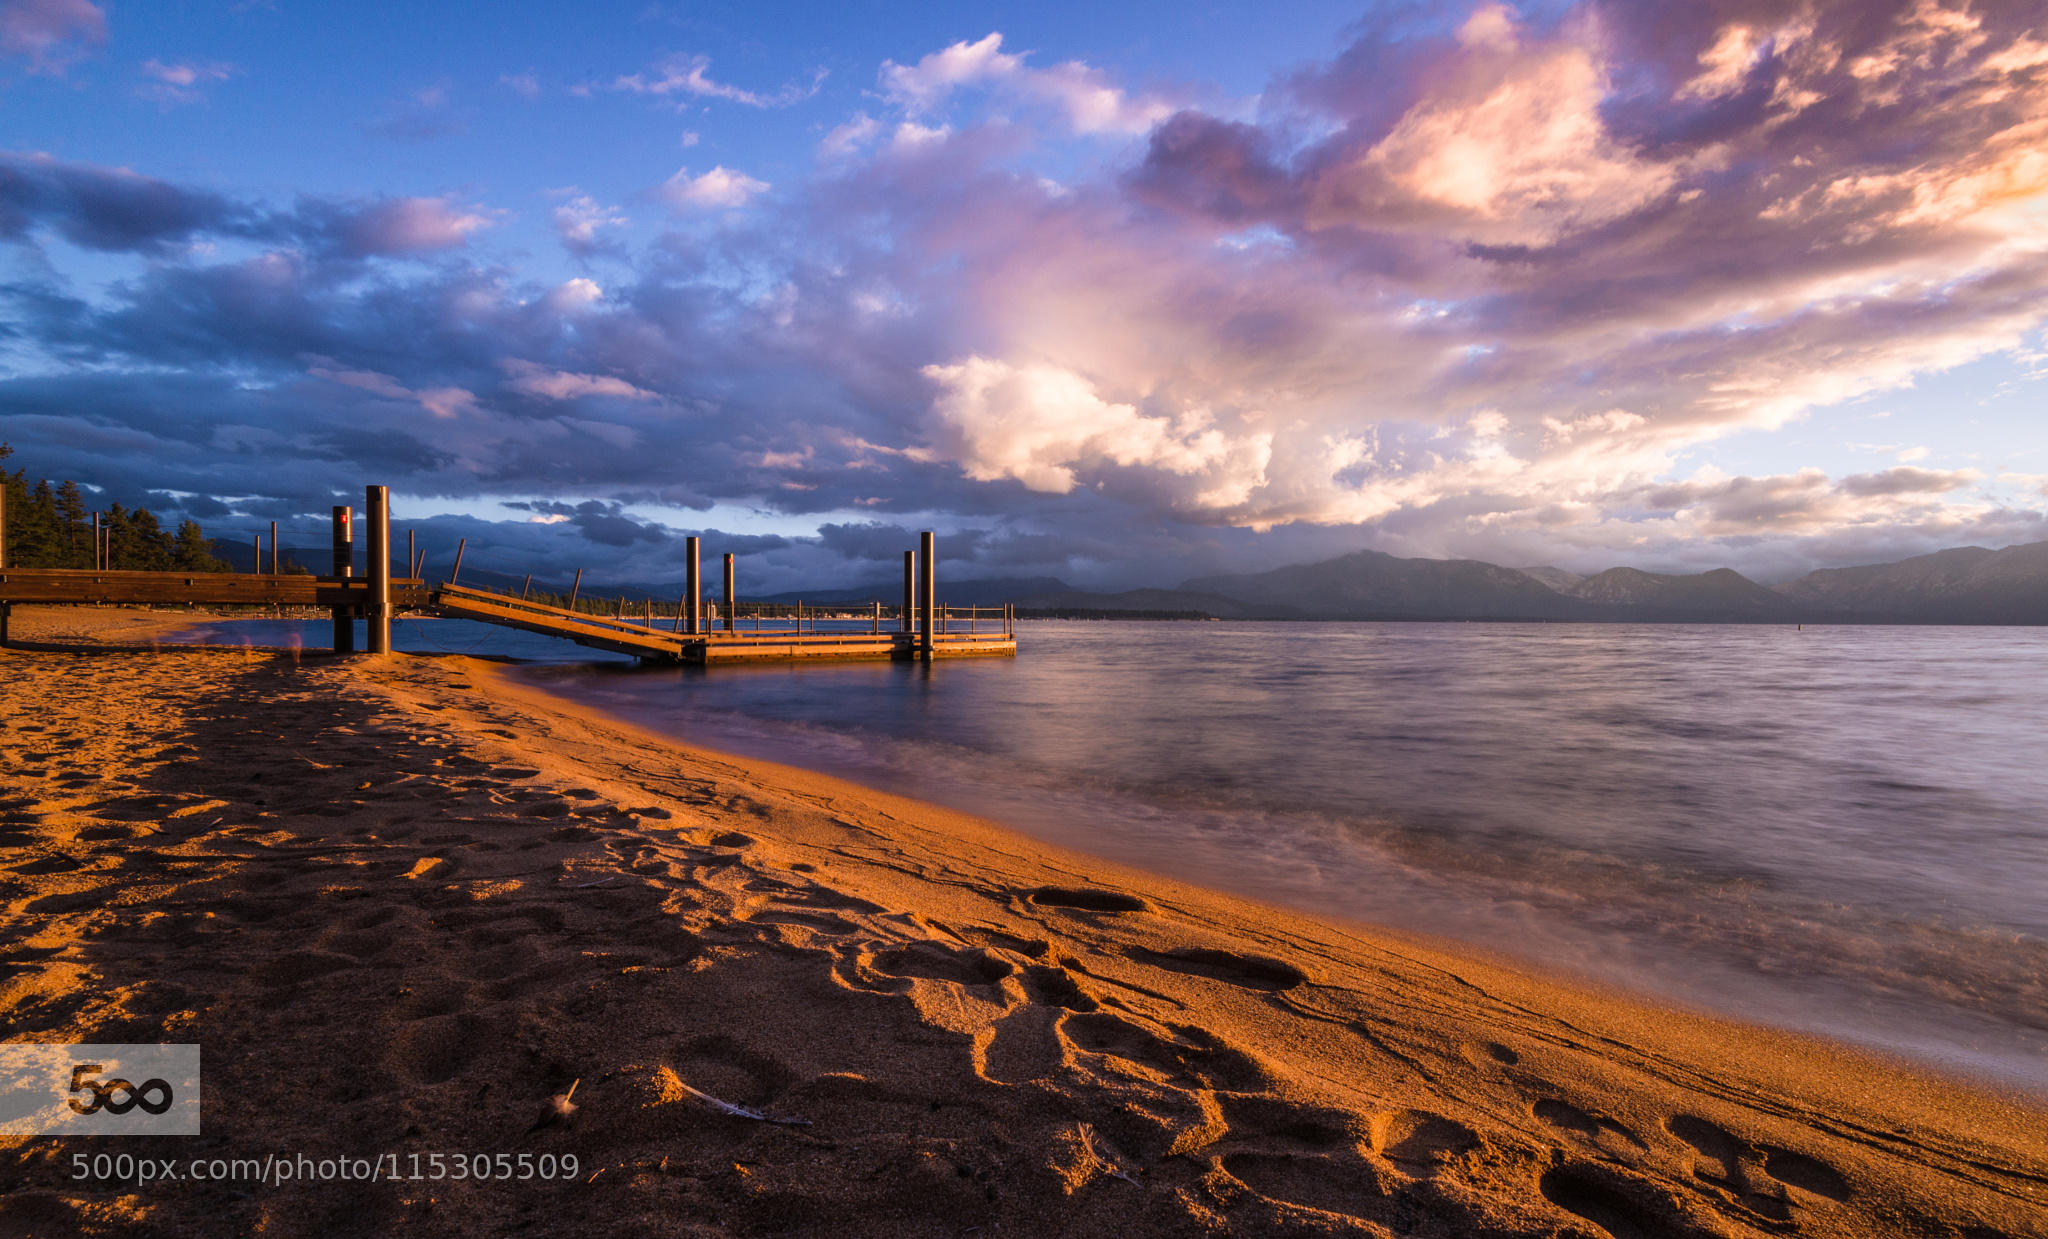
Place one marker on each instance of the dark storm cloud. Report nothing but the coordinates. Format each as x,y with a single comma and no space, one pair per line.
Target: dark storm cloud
109,208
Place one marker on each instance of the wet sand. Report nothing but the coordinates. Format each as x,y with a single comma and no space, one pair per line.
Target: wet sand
401,903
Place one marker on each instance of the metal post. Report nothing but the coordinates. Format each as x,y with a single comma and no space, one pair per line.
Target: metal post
377,510
524,586
461,545
97,565
682,603
693,586
256,558
730,578
343,565
412,555
928,552
273,548
575,589
876,628
909,590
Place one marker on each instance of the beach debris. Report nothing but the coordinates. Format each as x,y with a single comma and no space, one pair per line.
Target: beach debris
1107,1163
558,1110
739,1111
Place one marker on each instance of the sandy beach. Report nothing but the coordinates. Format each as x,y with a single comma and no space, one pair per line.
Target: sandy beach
404,903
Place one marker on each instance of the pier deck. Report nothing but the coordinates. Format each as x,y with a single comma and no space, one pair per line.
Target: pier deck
922,629
754,640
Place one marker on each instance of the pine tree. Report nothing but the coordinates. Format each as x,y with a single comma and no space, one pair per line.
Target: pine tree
118,535
49,527
191,552
32,526
76,548
151,549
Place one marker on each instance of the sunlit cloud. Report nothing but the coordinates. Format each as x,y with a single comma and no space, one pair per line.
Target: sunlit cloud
690,77
719,188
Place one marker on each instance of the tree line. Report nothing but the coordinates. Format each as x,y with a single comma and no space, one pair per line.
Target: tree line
50,527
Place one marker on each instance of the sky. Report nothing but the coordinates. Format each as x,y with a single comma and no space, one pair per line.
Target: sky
1122,294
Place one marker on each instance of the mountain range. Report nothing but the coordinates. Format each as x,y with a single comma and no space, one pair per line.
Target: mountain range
1966,585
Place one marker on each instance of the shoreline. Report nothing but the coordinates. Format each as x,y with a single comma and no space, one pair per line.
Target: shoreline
510,891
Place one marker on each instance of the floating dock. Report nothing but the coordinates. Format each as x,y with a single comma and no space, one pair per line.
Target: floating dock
920,629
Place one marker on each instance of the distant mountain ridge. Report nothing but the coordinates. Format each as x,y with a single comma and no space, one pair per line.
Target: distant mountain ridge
1965,585
1968,585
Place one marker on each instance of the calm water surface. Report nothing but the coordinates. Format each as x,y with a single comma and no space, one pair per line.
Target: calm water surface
1843,829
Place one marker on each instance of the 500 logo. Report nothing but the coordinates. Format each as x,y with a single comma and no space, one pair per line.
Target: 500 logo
100,1089
103,1094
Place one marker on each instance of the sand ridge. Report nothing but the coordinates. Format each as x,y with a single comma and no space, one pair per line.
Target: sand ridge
401,903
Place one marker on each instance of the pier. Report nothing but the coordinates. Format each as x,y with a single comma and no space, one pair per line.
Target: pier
726,632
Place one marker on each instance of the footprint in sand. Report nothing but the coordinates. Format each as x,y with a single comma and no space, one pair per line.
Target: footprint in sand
1808,1174
1177,1052
1489,1054
1565,1116
1247,971
731,1071
1331,1182
930,961
1420,1142
1086,899
1620,1207
1755,1177
1720,1154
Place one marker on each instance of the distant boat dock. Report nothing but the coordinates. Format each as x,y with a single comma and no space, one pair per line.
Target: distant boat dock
727,632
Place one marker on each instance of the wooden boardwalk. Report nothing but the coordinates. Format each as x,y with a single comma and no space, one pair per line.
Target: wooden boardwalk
785,641
921,629
753,640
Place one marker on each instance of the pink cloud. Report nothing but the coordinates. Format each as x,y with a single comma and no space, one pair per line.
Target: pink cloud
411,226
536,380
174,84
51,34
719,188
691,76
1083,95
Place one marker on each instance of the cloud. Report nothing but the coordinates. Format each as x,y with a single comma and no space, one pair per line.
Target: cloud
405,226
525,85
1041,425
425,115
719,188
691,76
546,384
845,139
51,34
1083,95
172,85
441,402
580,220
1490,286
110,208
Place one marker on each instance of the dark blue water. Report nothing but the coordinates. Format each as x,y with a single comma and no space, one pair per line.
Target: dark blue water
1842,829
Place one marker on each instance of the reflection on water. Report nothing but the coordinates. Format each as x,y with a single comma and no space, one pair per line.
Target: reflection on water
1840,829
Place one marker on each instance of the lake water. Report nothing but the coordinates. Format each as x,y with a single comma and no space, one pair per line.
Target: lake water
1841,829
